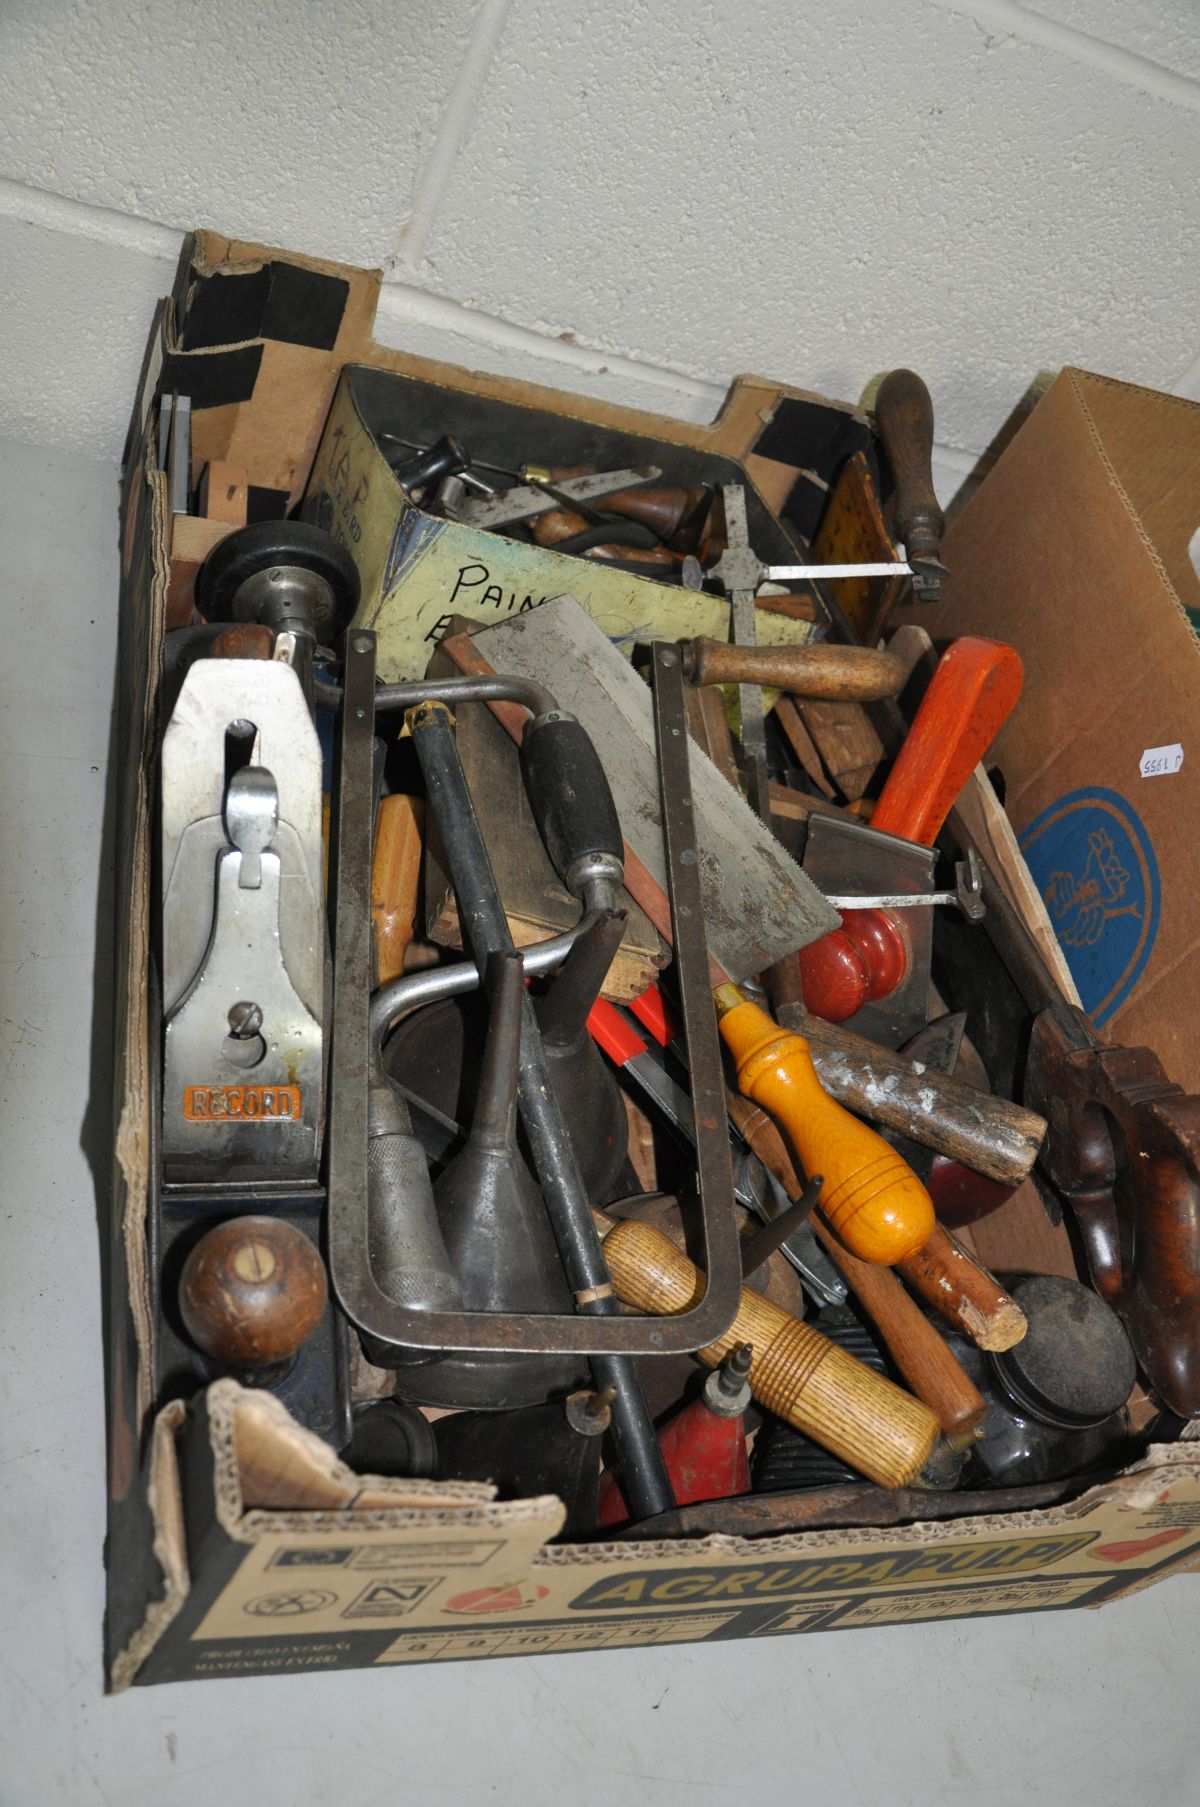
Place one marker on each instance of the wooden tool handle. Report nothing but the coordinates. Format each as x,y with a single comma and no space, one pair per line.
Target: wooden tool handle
244,640
872,1197
1124,1148
989,1134
918,1351
854,674
633,555
904,417
795,1371
965,1293
971,696
759,1133
557,524
661,508
395,882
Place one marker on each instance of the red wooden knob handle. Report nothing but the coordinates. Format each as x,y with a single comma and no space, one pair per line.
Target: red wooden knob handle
833,977
866,958
882,947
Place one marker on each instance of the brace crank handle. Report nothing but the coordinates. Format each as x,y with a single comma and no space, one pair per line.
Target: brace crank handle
904,418
572,802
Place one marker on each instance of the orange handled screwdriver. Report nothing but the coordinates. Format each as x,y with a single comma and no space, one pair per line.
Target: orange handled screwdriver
871,1196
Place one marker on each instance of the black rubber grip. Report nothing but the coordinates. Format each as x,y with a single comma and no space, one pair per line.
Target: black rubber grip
568,792
265,543
445,458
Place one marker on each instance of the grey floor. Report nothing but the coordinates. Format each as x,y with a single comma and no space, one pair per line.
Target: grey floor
1066,1708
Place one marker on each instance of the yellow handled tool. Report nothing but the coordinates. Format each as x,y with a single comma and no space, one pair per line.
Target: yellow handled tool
871,1196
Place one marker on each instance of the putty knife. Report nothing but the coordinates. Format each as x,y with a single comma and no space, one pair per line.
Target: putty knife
758,905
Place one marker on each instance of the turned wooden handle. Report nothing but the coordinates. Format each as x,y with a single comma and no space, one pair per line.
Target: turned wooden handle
970,697
847,674
904,417
663,508
252,1291
395,882
876,1203
991,1135
795,1371
918,1351
965,1293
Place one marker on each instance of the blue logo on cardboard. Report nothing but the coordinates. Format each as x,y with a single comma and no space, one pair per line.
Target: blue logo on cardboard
1094,865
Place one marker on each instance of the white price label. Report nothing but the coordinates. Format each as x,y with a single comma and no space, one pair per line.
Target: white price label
1158,761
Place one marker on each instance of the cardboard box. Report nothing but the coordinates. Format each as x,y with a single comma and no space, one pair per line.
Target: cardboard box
237,1543
418,570
1076,550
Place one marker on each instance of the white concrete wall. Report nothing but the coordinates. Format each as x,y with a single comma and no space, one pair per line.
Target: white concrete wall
637,199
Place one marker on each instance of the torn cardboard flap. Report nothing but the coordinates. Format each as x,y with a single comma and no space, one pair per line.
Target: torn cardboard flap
281,378
264,1458
1150,443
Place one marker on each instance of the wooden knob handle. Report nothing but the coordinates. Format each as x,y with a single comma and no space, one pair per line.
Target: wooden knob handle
866,958
971,695
965,1293
853,674
918,1351
395,882
871,1196
904,417
795,1371
252,1292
